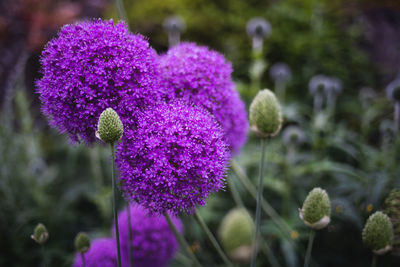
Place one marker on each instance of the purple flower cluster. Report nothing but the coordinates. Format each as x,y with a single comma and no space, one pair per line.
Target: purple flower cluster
153,242
91,66
102,253
173,159
202,76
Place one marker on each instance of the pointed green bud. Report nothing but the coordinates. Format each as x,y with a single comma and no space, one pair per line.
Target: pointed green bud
82,242
392,209
265,114
40,234
236,234
109,128
378,233
316,211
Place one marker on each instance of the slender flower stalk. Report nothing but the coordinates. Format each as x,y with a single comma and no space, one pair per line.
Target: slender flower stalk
114,189
128,211
258,208
43,255
40,236
212,239
309,248
373,261
235,193
182,241
396,116
83,259
121,10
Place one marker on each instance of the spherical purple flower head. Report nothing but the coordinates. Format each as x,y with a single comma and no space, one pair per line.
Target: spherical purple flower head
174,159
102,253
91,66
153,242
202,76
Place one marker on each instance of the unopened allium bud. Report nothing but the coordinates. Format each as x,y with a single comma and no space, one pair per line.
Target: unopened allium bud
265,114
392,209
393,91
82,242
293,136
236,233
378,233
258,27
280,72
174,24
40,234
316,209
109,128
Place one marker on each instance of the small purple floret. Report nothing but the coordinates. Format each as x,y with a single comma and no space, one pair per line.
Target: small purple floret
174,159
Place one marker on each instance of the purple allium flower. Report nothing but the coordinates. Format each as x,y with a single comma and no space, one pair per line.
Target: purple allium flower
202,76
153,242
102,253
91,66
175,157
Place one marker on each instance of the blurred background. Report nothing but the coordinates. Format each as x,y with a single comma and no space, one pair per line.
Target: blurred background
350,148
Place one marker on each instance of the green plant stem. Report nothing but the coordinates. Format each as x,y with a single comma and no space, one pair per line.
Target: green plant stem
373,260
270,255
309,248
182,242
212,239
121,10
43,255
235,193
83,259
258,208
114,203
130,236
267,208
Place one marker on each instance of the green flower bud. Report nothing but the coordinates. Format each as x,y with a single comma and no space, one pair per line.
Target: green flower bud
109,128
236,234
392,209
316,209
265,114
378,233
40,234
82,242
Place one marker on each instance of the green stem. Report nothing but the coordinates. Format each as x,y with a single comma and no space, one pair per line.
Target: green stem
114,202
270,255
83,259
235,193
309,248
373,261
182,242
212,239
121,10
258,208
130,236
44,256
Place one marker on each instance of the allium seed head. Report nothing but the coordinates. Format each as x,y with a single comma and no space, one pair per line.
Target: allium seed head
174,24
318,84
258,27
293,136
91,66
102,253
280,72
316,211
202,76
265,114
174,159
393,91
153,242
378,233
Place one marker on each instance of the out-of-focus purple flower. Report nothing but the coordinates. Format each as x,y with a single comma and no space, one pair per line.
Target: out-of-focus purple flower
102,253
280,72
202,76
91,66
153,242
174,159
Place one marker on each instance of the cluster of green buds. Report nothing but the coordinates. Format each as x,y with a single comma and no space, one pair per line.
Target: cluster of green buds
316,210
40,234
265,114
236,234
109,127
378,233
